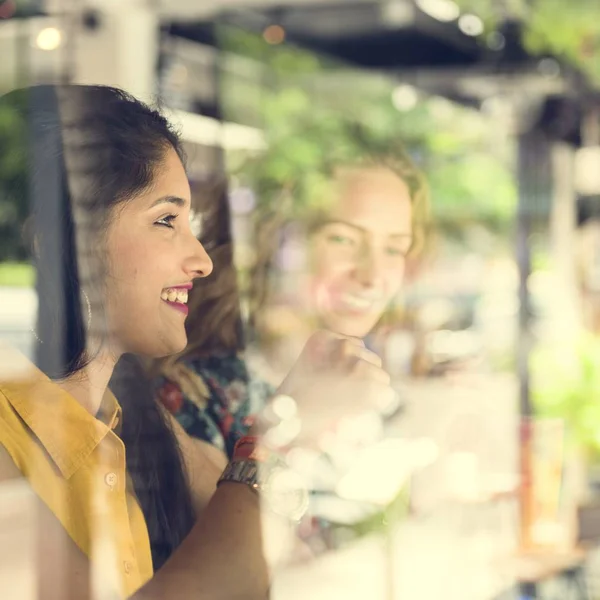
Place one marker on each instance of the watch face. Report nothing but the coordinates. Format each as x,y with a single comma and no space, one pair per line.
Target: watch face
286,493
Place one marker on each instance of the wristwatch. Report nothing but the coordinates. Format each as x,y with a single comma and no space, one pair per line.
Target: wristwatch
282,490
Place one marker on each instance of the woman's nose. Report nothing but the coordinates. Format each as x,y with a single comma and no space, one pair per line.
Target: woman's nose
200,263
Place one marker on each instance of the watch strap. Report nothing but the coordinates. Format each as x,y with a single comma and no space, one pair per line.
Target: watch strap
290,503
242,471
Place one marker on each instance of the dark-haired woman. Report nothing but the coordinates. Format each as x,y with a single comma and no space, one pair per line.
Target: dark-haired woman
125,504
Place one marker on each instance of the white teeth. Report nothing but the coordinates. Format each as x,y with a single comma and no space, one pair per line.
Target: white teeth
172,295
356,301
360,302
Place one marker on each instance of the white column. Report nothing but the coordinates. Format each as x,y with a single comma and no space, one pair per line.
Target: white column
122,51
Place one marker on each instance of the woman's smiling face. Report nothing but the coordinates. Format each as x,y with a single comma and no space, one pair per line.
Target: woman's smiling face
152,259
358,255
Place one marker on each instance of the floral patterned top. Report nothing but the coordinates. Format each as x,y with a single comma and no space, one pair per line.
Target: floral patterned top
214,398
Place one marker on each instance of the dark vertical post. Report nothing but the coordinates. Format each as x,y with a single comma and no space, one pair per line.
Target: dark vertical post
47,197
534,181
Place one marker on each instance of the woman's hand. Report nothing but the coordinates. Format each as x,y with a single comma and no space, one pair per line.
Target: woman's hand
334,377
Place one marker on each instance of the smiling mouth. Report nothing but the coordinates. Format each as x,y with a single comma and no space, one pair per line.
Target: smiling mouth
176,298
177,295
359,302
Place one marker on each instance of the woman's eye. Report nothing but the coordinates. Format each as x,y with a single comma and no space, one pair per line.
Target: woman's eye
166,221
395,251
341,239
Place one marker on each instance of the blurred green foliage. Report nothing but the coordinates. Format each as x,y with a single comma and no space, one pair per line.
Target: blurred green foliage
566,385
316,114
14,207
569,30
16,274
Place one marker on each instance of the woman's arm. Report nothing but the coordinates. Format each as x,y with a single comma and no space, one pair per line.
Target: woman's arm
222,558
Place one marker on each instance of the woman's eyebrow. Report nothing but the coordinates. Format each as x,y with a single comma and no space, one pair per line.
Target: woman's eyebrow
181,202
363,230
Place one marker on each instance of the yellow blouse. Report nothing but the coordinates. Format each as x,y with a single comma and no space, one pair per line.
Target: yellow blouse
76,464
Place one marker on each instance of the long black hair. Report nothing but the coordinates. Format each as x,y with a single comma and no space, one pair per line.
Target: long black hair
84,150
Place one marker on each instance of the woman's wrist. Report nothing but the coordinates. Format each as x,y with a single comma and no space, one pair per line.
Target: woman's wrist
266,472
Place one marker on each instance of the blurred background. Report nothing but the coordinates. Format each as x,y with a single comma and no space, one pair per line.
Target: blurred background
493,345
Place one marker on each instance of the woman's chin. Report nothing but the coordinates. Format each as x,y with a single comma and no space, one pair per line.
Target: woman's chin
165,346
349,326
177,346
